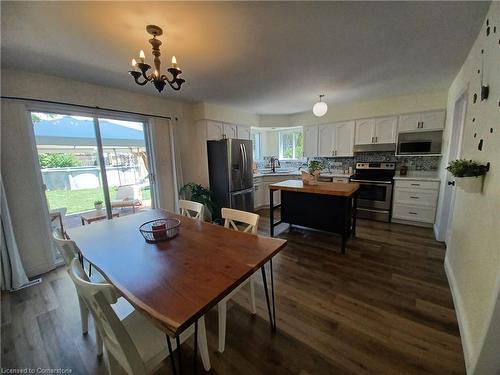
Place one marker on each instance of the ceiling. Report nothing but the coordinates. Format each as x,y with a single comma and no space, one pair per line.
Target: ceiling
263,57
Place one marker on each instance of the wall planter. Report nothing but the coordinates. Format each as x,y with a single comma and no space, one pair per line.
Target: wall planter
472,184
469,175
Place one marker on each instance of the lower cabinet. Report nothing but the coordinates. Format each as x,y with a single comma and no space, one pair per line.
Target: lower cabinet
415,202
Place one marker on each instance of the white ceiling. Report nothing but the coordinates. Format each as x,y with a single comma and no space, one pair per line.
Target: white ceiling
263,57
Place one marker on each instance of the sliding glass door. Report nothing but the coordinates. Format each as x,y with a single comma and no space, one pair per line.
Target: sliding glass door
92,168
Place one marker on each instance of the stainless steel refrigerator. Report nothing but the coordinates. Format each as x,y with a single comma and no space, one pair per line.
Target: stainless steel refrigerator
230,173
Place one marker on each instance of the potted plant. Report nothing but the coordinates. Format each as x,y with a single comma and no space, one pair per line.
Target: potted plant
199,193
313,171
98,205
468,174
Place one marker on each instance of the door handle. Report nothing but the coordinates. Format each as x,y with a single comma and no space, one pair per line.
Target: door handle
451,183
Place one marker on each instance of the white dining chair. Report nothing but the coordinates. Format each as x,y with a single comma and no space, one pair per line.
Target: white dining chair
234,219
69,252
191,209
134,344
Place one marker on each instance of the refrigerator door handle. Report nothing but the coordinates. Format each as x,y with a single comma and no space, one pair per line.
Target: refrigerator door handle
243,191
242,163
244,158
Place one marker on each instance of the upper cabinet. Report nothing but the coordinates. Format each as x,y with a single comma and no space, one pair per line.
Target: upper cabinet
243,132
310,141
376,130
422,121
344,138
230,131
336,139
214,130
326,134
218,130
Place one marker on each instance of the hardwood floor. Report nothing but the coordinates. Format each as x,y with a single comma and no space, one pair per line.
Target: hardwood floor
384,308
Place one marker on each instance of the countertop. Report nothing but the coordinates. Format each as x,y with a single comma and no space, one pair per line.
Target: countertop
326,188
418,176
298,173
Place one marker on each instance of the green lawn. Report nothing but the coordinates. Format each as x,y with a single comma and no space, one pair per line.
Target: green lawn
81,200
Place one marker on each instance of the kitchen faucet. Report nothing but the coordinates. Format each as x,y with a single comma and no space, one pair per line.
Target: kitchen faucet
273,162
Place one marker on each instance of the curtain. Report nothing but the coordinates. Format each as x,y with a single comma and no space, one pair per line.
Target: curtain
12,275
166,163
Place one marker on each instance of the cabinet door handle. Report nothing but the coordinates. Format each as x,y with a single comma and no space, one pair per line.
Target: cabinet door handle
422,125
372,140
376,139
414,197
412,213
415,184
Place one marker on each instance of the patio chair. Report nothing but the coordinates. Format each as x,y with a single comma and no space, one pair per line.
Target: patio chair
128,196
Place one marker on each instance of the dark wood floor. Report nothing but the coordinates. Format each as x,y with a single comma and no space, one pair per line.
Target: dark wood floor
384,308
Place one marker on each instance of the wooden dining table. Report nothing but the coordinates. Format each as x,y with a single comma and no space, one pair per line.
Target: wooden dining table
175,282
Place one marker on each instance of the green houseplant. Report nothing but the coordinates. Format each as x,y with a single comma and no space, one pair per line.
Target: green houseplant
468,174
98,205
198,193
313,171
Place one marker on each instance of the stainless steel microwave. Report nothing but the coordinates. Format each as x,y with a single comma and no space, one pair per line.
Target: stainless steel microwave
420,143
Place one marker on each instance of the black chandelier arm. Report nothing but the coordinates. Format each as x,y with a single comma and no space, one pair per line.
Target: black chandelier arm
136,76
178,81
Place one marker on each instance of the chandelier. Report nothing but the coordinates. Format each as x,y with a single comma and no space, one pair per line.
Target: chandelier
158,79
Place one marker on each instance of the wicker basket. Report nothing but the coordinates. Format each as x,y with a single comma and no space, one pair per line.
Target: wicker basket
160,229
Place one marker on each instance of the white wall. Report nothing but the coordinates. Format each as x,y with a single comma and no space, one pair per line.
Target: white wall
19,163
363,109
473,253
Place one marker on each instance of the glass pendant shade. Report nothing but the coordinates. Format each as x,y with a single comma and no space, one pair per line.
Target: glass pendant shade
320,109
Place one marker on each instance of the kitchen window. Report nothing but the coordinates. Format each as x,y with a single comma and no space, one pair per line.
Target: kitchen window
256,145
291,144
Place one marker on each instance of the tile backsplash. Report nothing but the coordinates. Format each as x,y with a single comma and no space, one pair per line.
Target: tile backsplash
419,163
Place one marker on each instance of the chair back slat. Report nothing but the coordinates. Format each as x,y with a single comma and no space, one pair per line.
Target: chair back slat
191,209
114,335
66,247
232,217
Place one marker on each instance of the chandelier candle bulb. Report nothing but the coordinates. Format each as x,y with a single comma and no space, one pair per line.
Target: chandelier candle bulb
174,62
142,56
134,64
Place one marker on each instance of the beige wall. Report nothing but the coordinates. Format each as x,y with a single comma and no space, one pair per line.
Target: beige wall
19,162
473,253
357,110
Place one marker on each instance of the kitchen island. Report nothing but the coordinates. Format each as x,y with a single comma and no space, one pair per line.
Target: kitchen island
327,206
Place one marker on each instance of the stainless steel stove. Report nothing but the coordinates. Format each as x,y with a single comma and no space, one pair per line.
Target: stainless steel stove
375,193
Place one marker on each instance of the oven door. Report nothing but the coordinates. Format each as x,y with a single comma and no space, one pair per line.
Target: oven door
374,194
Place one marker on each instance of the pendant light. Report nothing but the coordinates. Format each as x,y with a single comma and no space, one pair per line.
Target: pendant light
320,108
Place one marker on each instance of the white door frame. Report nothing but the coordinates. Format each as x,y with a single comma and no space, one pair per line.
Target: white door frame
454,151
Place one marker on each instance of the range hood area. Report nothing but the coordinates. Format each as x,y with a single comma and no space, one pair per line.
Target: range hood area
375,147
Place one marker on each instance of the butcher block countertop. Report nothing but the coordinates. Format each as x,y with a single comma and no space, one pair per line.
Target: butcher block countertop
327,188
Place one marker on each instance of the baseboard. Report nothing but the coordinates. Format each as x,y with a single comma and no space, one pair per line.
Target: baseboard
436,233
459,309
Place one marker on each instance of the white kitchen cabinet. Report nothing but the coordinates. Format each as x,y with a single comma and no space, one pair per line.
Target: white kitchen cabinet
415,201
344,139
326,135
215,130
243,132
432,120
375,130
336,139
422,121
230,131
310,141
385,129
365,132
258,197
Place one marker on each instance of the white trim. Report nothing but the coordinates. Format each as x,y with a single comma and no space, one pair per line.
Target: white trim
436,233
463,325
